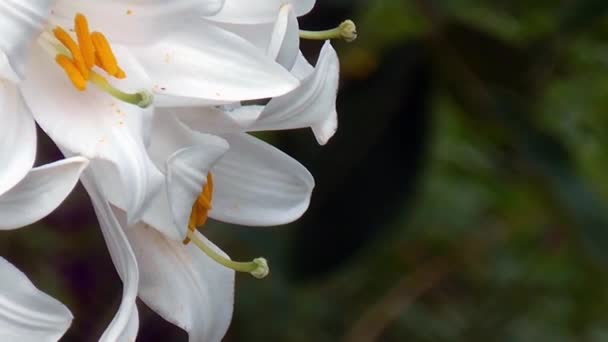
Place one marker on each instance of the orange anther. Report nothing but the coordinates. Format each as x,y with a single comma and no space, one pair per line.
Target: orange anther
72,71
201,207
104,53
85,42
71,45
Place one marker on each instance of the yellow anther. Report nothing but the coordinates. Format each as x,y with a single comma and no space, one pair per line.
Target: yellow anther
72,71
201,207
85,42
71,45
103,51
120,74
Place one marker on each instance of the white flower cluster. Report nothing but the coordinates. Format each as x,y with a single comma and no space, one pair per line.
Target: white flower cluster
148,102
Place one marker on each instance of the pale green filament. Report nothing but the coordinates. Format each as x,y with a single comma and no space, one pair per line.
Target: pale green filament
347,31
142,98
257,268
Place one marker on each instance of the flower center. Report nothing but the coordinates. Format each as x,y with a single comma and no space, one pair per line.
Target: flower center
91,50
198,217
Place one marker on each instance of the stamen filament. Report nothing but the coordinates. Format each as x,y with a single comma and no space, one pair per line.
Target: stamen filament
142,98
257,268
347,31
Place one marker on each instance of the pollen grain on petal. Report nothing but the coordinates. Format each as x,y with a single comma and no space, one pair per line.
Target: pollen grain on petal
72,71
85,41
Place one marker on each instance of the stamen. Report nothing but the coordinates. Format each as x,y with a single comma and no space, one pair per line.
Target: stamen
201,207
257,267
142,98
85,41
105,55
346,31
69,43
72,71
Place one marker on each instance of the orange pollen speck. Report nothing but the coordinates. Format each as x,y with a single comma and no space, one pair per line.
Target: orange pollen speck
201,207
92,49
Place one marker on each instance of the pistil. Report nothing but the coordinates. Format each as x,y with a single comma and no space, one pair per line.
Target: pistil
257,268
346,31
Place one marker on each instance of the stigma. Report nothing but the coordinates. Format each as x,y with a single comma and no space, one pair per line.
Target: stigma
92,50
258,267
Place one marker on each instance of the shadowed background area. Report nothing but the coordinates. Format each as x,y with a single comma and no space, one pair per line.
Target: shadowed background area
464,197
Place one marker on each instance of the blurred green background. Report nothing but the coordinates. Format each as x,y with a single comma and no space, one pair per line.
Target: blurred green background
464,197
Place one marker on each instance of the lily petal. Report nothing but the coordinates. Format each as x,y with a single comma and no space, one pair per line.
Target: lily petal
40,192
124,325
17,137
95,125
258,185
257,12
142,21
207,65
20,23
26,313
192,291
284,43
212,119
313,104
187,157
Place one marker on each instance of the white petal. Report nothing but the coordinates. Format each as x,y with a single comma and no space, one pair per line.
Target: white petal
280,40
208,65
284,44
6,70
186,157
124,324
17,137
302,69
313,104
40,192
142,21
187,173
256,12
258,185
183,285
96,125
26,313
214,120
20,23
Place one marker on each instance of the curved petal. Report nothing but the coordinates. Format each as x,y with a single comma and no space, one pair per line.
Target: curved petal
214,120
302,69
127,21
258,185
207,65
40,192
192,291
20,23
187,157
17,137
6,70
313,104
257,12
284,43
187,173
280,41
96,125
26,313
124,325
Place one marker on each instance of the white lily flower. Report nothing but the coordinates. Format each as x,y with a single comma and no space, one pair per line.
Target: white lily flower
105,122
